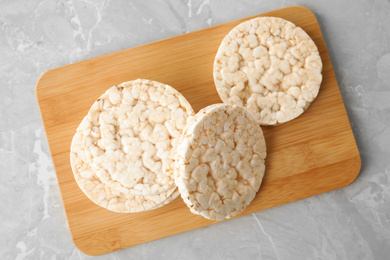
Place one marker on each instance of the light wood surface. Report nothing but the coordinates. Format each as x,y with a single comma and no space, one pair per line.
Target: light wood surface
312,154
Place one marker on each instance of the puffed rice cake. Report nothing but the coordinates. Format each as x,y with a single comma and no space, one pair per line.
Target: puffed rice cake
271,67
130,136
220,162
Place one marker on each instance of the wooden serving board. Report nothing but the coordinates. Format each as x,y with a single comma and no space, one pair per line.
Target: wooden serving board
312,154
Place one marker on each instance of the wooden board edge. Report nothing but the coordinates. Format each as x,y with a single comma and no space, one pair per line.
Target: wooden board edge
356,173
38,89
354,176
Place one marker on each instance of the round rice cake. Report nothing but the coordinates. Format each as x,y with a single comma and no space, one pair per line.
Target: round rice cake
271,67
105,196
220,162
131,134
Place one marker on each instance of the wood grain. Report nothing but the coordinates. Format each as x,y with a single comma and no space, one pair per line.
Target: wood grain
312,154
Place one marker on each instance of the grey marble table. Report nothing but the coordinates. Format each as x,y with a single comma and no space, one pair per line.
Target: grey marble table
37,35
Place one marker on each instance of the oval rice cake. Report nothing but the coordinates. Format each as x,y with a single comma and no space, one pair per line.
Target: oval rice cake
220,163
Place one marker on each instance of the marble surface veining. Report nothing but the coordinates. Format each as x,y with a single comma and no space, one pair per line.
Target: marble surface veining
37,35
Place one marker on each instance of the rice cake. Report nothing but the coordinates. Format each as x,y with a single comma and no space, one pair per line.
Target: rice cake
271,67
131,134
220,162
